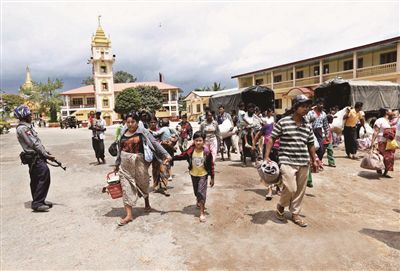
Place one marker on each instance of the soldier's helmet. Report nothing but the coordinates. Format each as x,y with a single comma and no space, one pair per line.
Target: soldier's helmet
22,111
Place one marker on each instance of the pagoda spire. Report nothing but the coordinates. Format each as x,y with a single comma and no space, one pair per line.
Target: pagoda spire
28,80
100,39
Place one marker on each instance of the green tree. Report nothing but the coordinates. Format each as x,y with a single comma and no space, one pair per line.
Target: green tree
151,98
216,87
50,98
140,97
46,96
129,99
124,77
11,101
88,81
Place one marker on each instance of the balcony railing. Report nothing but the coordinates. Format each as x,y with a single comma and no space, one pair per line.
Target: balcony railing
284,84
344,74
79,106
307,81
376,70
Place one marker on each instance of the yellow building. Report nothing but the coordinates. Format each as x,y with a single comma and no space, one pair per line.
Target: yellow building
378,61
196,101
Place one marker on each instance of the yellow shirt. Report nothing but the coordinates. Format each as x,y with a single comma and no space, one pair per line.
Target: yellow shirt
198,169
353,118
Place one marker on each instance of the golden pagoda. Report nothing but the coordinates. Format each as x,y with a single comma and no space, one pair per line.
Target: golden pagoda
100,39
28,81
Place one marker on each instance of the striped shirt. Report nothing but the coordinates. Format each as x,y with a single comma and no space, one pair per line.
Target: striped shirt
293,141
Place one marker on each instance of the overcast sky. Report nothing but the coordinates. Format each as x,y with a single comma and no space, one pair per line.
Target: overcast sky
191,44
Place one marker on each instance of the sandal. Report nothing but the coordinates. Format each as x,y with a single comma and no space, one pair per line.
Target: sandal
123,222
298,221
280,215
202,218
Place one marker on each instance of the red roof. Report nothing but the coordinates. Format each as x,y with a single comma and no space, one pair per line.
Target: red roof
119,87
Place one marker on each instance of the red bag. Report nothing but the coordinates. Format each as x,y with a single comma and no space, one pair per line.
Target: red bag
389,133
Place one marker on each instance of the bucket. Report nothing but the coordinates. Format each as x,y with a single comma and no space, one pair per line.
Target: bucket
115,190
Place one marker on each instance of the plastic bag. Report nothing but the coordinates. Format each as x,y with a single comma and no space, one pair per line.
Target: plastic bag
367,132
372,161
316,143
338,121
392,145
224,128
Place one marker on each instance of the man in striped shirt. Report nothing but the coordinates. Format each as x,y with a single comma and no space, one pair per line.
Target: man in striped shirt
295,153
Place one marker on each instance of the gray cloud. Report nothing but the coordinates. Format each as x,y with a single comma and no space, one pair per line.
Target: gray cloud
196,44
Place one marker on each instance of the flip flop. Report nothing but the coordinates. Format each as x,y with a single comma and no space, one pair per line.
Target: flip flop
300,222
122,223
202,218
280,216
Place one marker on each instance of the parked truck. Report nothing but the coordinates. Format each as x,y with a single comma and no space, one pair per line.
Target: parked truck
373,94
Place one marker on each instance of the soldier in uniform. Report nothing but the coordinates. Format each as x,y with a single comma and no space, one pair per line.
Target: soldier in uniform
34,155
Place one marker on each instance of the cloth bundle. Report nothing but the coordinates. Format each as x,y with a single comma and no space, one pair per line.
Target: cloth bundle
338,121
373,161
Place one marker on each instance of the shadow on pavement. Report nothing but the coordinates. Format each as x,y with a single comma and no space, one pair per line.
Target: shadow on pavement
370,175
28,204
262,217
120,212
390,238
261,192
396,210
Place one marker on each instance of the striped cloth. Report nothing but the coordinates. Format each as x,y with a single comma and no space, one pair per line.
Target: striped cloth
293,141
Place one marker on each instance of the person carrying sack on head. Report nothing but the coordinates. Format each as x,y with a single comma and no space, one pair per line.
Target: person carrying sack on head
34,155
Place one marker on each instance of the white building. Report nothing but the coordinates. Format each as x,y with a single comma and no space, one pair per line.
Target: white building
101,95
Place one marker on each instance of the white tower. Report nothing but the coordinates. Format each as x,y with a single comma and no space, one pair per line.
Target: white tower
102,60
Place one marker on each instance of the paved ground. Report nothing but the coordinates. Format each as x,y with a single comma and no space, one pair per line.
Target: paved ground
353,219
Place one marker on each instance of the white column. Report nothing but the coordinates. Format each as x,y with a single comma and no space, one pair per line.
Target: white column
67,104
294,76
321,70
355,65
398,59
254,80
272,79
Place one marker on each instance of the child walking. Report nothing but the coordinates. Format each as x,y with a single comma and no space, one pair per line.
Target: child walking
201,165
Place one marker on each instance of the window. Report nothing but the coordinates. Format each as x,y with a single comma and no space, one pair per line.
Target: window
278,103
103,69
277,78
291,76
360,63
165,98
299,74
348,65
104,86
198,109
90,101
77,101
388,57
316,70
105,103
174,96
259,82
326,68
189,109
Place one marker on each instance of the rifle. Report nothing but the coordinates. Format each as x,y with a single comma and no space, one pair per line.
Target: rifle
57,164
